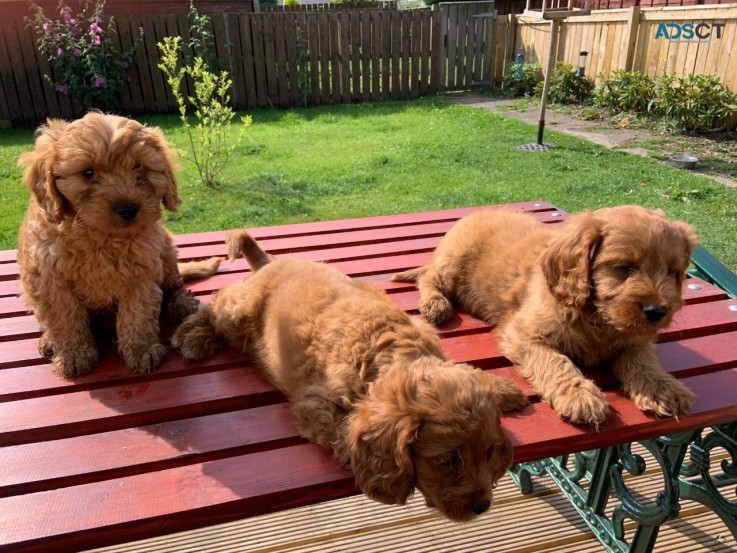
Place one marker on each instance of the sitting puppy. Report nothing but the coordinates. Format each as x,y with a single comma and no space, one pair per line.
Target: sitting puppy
364,379
593,291
92,240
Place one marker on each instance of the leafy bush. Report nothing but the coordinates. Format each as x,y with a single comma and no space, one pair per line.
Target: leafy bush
292,3
531,75
693,102
624,91
80,48
566,87
210,148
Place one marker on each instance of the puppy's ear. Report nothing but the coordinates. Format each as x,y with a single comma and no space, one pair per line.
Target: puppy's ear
688,235
39,175
379,439
507,396
566,263
156,138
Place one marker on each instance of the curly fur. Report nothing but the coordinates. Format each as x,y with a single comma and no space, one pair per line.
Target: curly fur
364,379
92,240
593,292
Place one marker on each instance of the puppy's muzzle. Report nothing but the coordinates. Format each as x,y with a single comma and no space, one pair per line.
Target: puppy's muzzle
126,211
654,313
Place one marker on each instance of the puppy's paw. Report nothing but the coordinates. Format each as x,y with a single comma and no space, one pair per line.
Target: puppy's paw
437,309
45,345
509,396
181,304
75,361
195,344
670,398
581,402
143,358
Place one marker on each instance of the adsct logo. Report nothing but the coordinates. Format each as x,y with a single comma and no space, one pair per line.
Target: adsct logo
689,32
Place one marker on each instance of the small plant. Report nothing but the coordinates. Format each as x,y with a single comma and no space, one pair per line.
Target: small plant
292,3
566,87
693,102
522,82
624,91
80,48
210,146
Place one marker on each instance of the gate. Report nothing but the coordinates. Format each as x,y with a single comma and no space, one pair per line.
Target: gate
463,46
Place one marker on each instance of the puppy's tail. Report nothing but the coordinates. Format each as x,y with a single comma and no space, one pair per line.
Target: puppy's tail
411,275
242,244
191,270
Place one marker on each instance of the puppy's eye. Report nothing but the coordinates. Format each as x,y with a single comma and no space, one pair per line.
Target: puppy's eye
88,173
137,167
449,462
626,270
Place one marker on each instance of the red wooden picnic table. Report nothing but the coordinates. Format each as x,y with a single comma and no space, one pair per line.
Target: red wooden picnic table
117,456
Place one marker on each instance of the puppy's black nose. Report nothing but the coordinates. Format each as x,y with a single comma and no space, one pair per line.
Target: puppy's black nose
654,313
480,505
127,211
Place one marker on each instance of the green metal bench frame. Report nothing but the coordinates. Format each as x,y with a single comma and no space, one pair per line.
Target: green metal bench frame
683,478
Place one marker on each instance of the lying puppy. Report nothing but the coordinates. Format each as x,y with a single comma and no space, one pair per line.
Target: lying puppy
364,379
594,291
92,240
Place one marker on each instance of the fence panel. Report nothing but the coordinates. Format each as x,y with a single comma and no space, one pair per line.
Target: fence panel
280,58
634,39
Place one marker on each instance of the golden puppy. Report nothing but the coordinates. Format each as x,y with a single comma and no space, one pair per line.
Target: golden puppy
594,291
92,240
364,379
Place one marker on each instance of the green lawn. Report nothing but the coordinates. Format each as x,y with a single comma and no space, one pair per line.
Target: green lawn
350,161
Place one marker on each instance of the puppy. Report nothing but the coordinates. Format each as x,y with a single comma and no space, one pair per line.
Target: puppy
92,240
364,379
593,292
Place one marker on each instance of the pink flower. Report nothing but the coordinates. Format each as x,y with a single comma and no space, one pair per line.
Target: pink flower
124,64
64,89
77,52
59,51
100,82
97,40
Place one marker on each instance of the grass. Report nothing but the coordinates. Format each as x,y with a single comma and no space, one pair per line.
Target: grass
350,161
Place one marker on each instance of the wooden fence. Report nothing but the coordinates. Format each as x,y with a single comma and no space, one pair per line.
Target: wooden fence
628,39
279,59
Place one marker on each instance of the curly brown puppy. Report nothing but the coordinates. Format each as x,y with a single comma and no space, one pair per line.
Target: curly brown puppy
92,240
594,291
364,379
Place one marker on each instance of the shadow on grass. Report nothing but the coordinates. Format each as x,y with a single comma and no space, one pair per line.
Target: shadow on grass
324,114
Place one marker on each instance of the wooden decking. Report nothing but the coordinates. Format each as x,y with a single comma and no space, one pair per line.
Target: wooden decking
544,522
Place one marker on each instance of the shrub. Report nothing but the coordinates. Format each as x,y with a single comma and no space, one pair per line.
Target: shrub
80,48
292,3
523,84
210,147
566,87
624,91
693,102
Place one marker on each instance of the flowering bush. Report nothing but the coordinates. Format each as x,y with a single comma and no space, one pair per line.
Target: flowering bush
79,47
210,141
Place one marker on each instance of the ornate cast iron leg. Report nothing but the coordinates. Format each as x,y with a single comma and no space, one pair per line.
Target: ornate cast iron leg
707,489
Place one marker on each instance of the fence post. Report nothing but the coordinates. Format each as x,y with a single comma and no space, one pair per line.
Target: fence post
510,42
632,30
